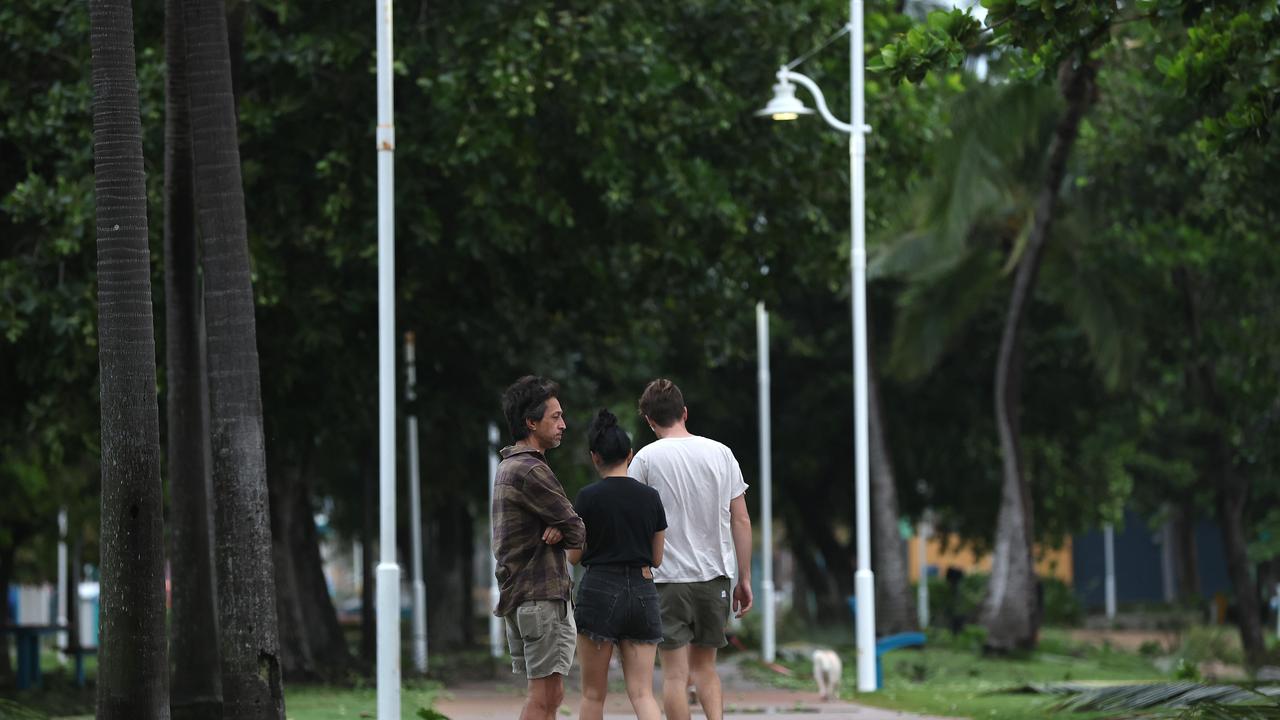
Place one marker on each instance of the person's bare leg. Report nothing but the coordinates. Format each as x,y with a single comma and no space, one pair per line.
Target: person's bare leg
545,696
675,677
594,658
702,668
637,668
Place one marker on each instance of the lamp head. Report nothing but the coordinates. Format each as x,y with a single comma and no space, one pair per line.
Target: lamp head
784,105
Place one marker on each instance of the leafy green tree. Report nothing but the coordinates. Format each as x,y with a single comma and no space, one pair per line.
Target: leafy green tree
1213,45
48,327
133,677
1193,232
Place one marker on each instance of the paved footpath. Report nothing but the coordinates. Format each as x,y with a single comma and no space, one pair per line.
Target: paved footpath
742,699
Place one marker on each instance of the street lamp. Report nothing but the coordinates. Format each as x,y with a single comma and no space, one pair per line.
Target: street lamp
786,106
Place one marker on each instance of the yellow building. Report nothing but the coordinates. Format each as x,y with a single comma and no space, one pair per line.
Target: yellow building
1050,562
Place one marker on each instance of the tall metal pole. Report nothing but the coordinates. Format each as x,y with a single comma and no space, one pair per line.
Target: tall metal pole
64,595
864,579
495,622
415,510
388,572
766,480
922,587
1109,557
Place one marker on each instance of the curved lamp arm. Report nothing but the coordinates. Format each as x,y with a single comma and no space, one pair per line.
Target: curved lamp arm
785,75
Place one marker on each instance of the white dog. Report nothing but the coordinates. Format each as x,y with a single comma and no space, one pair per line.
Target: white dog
827,671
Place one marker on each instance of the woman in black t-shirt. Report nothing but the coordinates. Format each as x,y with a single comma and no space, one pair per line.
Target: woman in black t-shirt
617,601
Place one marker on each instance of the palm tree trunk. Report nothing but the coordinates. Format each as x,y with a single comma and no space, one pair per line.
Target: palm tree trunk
312,645
133,672
197,680
895,606
251,682
1010,611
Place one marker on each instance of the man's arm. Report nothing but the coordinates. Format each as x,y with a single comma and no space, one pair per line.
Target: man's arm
740,526
546,499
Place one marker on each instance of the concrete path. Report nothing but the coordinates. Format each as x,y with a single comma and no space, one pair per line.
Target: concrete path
478,704
743,698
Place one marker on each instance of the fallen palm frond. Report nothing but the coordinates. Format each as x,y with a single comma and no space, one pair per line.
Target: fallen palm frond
1187,699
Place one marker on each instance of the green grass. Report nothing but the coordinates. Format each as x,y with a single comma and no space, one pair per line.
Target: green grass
59,698
333,703
953,678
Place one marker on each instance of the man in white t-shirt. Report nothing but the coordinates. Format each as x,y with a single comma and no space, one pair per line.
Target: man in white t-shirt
708,542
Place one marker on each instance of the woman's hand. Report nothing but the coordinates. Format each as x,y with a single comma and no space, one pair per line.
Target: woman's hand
552,536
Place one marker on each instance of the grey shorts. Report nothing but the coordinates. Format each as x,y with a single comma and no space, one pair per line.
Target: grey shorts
542,637
694,613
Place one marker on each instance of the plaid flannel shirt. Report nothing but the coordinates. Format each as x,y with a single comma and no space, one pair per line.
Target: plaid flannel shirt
527,499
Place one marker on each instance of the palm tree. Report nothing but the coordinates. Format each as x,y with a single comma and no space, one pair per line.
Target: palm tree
251,682
1010,611
996,195
133,671
197,680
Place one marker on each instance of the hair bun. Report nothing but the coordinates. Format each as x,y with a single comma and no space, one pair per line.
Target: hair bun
606,419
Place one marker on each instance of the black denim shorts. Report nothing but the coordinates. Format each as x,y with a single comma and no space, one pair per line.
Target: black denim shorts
617,603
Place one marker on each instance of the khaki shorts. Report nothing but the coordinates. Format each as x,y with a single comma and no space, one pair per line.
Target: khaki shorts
694,613
542,638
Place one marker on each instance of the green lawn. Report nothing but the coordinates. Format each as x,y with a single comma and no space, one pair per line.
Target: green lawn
334,703
953,678
59,698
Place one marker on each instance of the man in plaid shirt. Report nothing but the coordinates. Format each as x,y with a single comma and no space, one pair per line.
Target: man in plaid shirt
533,524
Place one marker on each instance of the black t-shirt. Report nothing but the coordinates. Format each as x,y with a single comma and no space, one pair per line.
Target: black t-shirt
621,515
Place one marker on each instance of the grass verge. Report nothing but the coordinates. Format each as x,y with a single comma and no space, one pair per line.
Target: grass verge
951,677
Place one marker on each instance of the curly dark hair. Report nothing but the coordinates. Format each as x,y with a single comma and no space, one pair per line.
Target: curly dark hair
662,402
606,439
526,399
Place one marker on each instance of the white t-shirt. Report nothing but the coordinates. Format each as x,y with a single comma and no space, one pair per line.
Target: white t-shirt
696,478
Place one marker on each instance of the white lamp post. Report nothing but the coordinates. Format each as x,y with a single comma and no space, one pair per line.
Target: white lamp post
388,572
768,649
1109,558
419,617
786,106
495,622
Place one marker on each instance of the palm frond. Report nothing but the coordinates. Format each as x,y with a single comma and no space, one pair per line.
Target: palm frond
1100,298
931,315
1182,699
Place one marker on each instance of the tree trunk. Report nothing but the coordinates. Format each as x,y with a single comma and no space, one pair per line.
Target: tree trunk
312,646
196,692
830,605
1232,498
133,672
1010,611
448,565
251,682
1186,557
73,586
833,579
895,606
